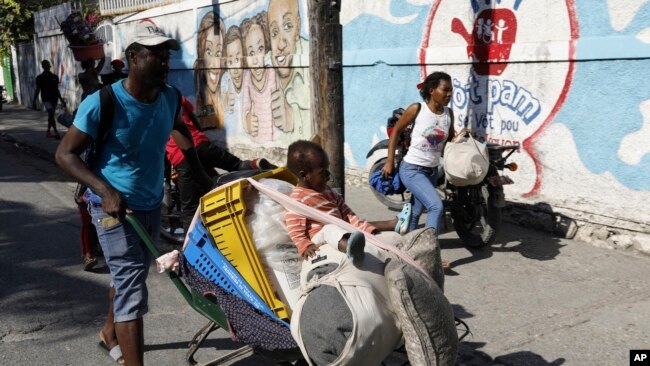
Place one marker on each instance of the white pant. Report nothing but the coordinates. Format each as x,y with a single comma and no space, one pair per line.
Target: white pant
332,234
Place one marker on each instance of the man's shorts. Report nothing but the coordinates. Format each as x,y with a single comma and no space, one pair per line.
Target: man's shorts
50,106
127,259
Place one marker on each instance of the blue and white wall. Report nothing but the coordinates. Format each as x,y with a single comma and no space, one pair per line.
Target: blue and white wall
566,80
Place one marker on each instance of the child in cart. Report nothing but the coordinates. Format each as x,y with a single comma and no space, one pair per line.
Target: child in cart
309,163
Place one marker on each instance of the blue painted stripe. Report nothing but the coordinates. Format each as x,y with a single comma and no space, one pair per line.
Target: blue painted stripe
622,47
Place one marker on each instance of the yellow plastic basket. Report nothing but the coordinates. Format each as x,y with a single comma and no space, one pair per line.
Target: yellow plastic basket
222,213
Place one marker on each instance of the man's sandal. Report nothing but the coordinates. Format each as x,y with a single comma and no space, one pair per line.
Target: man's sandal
403,219
89,263
115,352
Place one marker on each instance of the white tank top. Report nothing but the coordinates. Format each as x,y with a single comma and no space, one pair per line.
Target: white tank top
428,137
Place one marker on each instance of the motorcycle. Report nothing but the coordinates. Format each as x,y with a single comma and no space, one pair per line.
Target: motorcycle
475,210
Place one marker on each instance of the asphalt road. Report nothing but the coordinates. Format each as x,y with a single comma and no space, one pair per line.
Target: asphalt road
532,299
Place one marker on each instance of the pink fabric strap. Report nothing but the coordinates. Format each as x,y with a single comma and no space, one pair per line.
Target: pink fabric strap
314,214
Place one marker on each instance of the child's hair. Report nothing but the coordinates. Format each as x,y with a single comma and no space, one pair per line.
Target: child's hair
261,20
431,82
234,35
299,156
211,22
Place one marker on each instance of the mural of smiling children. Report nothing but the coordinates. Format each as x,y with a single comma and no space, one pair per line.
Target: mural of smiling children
259,82
293,80
207,70
231,82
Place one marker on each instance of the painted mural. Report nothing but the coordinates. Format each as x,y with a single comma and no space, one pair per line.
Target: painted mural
250,74
244,65
530,73
510,92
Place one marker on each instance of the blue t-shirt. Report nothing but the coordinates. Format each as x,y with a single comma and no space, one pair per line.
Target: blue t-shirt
131,158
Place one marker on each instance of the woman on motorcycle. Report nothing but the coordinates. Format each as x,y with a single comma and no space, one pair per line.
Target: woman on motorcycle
433,127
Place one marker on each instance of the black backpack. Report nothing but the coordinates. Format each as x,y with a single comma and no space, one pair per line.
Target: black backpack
106,114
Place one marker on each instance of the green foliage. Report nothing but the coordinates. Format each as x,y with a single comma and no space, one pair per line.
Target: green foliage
17,21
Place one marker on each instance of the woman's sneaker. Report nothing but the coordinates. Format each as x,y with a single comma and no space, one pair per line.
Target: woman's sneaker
403,219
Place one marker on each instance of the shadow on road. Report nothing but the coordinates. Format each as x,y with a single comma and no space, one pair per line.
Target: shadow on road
460,312
523,241
41,269
470,355
21,153
221,344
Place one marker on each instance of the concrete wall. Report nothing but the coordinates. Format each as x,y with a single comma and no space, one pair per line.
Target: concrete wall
27,70
565,80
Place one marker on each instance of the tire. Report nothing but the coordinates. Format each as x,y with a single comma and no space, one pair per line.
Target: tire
393,201
477,221
171,226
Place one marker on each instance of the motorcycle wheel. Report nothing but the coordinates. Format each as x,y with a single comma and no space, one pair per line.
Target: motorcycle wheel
476,220
171,226
393,201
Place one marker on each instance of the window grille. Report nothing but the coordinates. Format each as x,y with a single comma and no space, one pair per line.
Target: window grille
114,7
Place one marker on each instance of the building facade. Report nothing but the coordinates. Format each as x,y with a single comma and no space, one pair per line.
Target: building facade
564,80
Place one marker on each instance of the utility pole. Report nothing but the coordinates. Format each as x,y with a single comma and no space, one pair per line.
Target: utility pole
325,61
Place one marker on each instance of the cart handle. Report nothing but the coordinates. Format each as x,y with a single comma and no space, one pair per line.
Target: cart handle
142,233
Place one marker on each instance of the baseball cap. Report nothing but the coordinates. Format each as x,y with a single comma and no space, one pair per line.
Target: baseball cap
147,33
117,63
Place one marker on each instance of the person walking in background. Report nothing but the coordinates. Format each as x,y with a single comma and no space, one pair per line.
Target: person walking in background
89,78
117,74
47,85
127,177
433,127
88,237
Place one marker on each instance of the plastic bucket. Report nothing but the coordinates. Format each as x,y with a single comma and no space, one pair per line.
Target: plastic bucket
83,53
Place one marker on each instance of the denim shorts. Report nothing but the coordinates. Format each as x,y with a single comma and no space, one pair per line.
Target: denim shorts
127,259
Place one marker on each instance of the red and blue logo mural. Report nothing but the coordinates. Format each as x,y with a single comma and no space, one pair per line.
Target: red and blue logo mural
507,87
